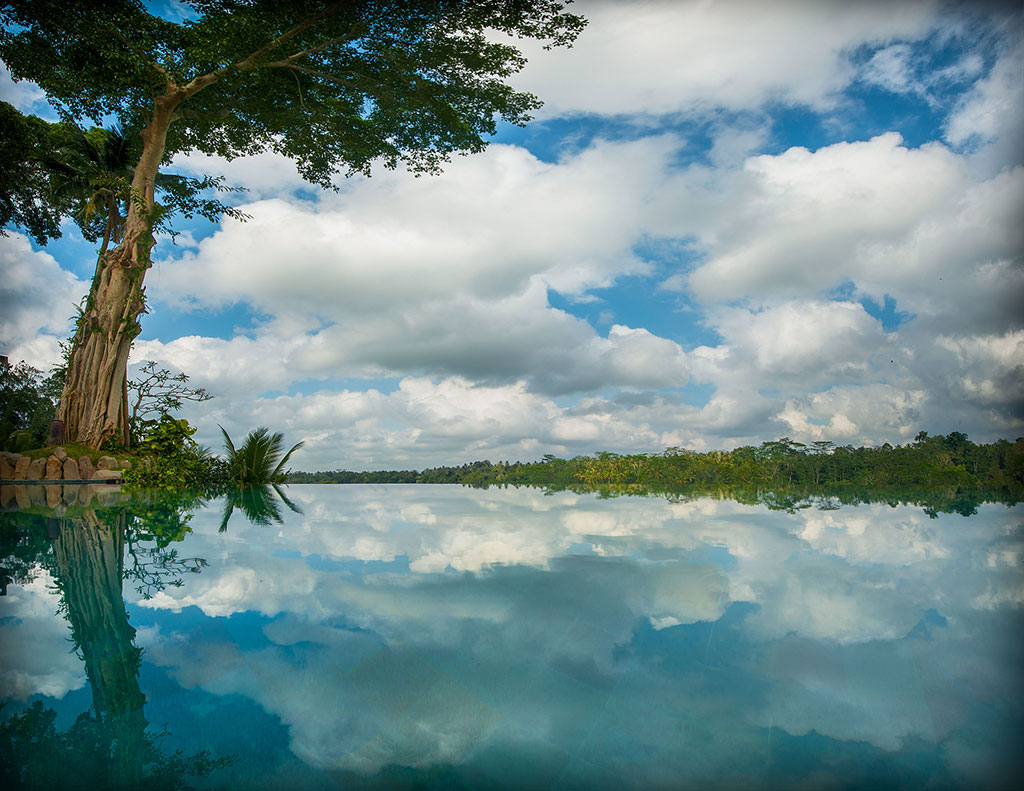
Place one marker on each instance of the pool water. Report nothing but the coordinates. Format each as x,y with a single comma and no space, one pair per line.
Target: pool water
448,637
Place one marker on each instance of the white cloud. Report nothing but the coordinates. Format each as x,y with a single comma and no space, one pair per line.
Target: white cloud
393,239
262,176
889,68
24,94
37,299
911,224
991,367
994,108
804,222
425,423
814,340
675,56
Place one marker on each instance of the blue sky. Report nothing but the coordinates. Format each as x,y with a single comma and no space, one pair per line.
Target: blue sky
731,221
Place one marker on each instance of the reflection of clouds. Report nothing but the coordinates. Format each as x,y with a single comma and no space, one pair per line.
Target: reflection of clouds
35,652
867,536
828,600
507,615
824,574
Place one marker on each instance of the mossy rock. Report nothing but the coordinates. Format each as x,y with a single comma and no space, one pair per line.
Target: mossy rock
76,451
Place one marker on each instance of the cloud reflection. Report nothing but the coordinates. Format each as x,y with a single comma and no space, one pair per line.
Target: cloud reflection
442,626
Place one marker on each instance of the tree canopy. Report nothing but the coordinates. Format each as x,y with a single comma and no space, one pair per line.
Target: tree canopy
332,86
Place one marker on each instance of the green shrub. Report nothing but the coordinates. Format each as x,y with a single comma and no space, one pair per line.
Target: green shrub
171,460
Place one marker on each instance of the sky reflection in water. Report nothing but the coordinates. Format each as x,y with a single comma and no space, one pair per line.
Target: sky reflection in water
508,638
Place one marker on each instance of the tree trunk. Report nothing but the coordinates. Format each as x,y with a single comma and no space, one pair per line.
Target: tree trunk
93,405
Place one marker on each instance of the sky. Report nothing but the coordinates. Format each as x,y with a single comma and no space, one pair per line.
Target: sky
730,222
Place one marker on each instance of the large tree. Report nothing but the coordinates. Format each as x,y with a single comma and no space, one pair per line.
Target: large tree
337,87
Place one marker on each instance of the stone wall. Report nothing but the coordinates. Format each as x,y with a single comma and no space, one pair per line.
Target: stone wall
58,466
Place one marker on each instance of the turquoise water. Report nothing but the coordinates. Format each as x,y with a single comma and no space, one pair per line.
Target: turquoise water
446,637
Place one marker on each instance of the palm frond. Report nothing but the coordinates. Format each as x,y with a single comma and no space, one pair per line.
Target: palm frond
259,458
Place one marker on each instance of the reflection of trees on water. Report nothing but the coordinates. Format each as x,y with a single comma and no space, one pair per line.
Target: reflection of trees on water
86,550
932,500
257,503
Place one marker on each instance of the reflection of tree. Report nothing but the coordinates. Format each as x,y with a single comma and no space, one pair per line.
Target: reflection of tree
90,565
108,747
257,503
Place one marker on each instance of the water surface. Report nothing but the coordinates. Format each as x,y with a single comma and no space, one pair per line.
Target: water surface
440,636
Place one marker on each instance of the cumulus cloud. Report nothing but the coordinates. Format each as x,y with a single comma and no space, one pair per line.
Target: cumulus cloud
993,110
805,222
814,340
658,57
37,297
425,422
393,239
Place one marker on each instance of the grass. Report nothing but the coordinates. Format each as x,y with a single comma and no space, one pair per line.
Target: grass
74,451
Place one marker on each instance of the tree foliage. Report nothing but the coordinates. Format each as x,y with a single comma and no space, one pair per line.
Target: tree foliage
26,199
27,401
52,172
332,86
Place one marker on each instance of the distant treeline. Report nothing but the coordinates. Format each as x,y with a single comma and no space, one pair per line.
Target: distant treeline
950,461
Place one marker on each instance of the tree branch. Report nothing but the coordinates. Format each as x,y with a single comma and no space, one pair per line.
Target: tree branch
171,83
322,74
356,31
251,61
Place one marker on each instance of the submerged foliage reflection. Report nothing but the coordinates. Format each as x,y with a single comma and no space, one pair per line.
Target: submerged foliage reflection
90,542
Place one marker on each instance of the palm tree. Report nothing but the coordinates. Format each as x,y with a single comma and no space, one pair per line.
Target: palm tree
93,170
259,459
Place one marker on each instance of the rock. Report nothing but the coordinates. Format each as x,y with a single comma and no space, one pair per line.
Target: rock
37,469
36,494
21,468
106,475
85,468
6,469
106,463
6,495
53,496
23,496
60,453
125,464
71,472
54,469
69,493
